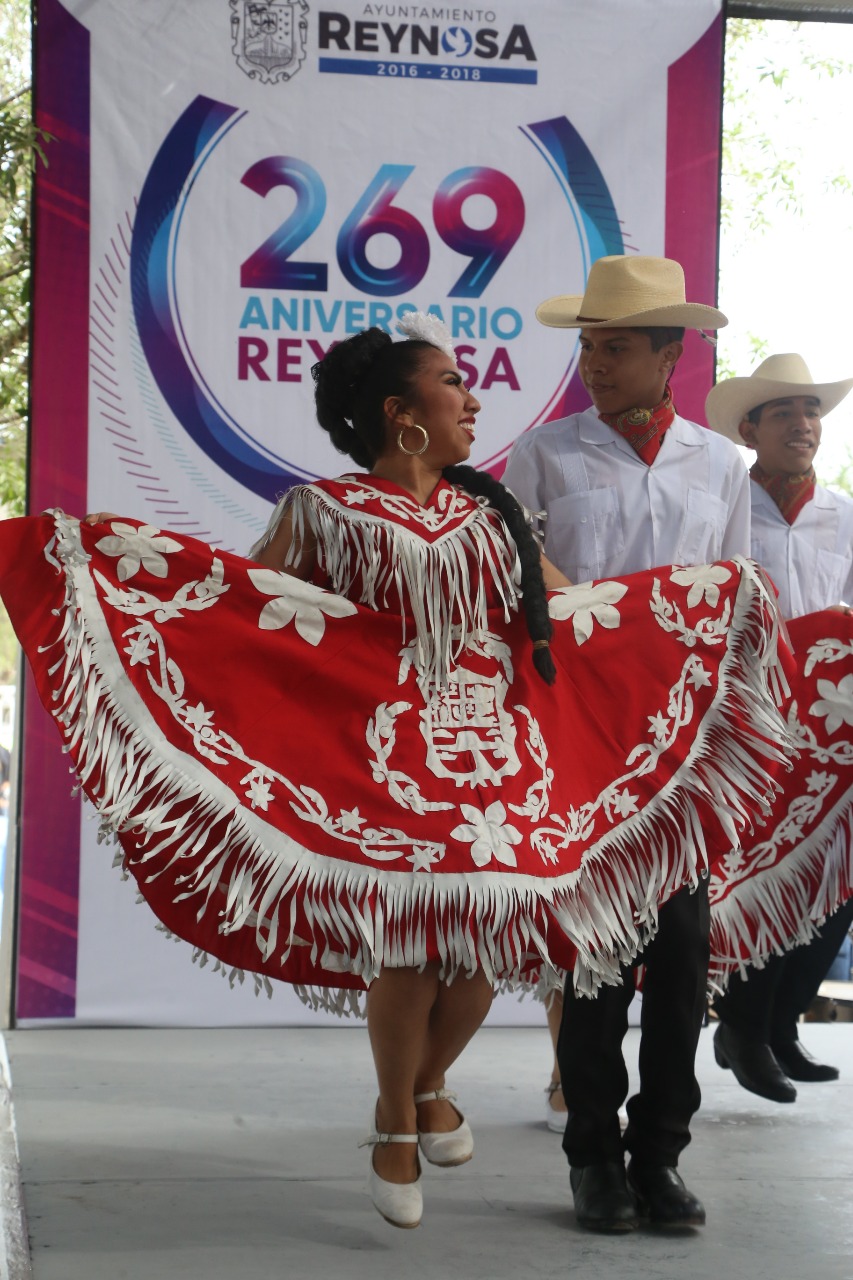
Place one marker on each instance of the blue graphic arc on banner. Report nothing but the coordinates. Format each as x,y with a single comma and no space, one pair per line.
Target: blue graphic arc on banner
583,183
596,222
174,166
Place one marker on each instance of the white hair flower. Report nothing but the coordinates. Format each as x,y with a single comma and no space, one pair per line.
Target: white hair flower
422,326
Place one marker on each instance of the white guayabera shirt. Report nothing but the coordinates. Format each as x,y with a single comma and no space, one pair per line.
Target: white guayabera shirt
811,560
609,514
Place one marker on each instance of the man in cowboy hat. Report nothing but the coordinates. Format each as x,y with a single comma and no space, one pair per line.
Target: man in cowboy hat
803,536
628,485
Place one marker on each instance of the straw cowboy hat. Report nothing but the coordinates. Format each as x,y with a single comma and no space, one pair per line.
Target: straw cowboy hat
776,378
630,293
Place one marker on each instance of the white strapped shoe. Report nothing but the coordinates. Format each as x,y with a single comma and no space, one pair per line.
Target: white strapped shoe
400,1203
446,1149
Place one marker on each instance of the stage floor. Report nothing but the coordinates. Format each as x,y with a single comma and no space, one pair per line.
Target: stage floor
201,1155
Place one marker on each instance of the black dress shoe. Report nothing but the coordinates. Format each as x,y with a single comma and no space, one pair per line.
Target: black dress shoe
602,1199
753,1064
662,1197
798,1063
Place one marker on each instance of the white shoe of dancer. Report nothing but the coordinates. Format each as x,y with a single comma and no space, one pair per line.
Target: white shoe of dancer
446,1149
400,1203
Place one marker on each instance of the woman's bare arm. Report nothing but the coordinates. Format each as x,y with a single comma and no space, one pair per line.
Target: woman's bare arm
553,577
286,543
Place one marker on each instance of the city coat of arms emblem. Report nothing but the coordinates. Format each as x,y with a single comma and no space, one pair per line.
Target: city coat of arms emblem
268,37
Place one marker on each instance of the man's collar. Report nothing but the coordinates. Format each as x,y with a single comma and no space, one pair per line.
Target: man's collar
593,431
822,498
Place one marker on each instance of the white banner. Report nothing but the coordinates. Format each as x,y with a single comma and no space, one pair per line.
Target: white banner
267,178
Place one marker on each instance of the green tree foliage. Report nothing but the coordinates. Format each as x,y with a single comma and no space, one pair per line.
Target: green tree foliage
769,68
784,190
20,144
770,73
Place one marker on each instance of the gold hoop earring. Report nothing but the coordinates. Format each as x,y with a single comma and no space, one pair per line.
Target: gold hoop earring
413,453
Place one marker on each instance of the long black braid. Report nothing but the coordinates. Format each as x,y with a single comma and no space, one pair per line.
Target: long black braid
534,597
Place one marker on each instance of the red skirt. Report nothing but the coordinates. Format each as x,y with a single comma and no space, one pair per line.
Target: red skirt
772,893
294,796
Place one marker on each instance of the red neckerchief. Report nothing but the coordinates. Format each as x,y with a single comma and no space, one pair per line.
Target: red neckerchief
790,493
644,429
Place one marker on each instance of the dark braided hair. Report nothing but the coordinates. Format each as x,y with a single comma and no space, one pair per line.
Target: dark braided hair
351,384
534,597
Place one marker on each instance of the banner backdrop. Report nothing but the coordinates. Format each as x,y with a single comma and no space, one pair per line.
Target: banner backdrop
235,185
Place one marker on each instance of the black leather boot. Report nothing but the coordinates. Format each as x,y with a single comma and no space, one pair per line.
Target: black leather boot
602,1199
798,1063
753,1064
662,1197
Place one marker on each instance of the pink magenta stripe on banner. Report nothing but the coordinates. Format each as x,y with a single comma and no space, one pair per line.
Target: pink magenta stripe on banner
693,198
50,831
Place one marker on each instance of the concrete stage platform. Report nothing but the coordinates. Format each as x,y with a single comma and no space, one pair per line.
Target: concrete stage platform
211,1155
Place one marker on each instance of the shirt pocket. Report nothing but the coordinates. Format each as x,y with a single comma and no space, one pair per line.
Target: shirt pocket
703,527
584,533
830,575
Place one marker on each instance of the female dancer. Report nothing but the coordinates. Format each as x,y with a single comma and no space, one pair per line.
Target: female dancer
391,796
372,397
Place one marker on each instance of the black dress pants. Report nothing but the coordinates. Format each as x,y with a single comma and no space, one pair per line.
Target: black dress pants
589,1050
767,1003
